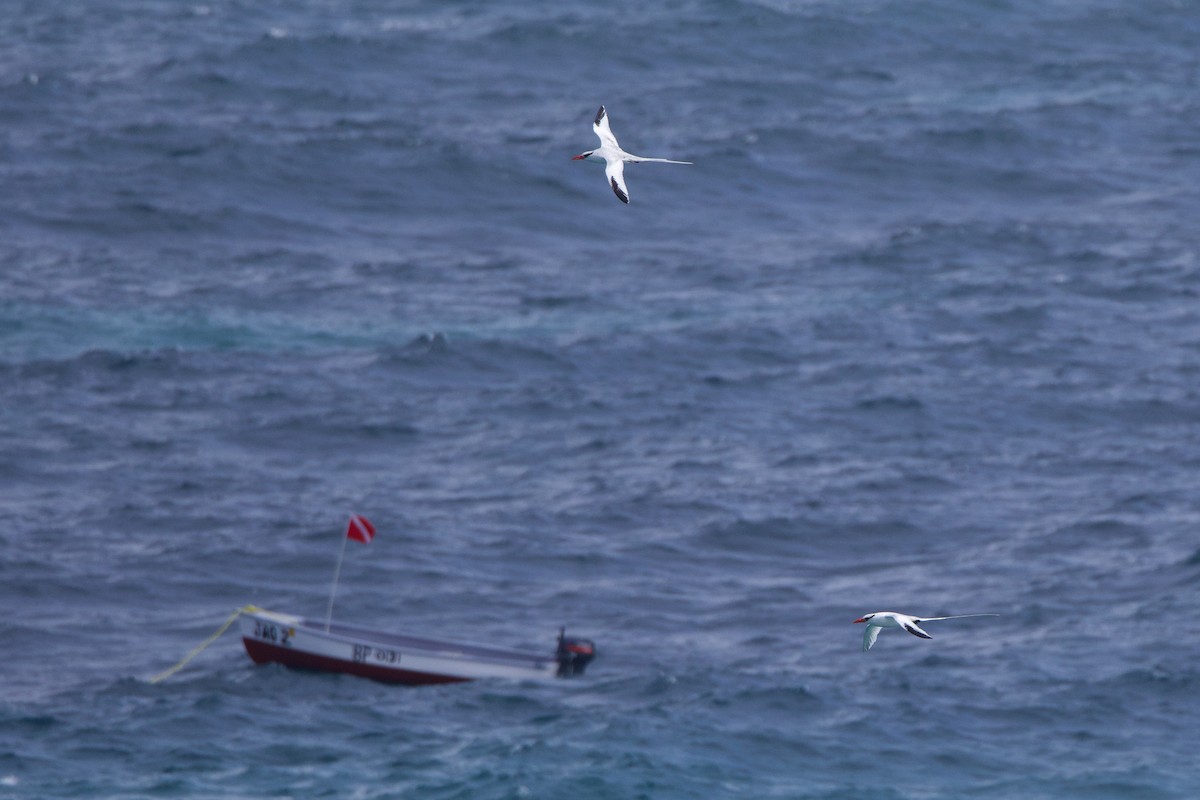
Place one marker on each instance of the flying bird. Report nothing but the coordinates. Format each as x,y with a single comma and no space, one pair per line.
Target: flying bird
614,157
890,619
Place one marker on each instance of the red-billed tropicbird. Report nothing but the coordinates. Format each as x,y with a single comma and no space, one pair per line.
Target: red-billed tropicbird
890,619
614,157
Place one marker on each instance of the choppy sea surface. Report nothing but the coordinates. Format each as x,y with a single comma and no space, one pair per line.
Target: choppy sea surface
918,331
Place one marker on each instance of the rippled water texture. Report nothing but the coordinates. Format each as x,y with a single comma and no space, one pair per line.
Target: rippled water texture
919,331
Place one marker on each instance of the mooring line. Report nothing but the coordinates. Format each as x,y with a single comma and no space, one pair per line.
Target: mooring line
198,649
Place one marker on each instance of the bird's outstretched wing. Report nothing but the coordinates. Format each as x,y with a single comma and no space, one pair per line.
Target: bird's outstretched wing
600,126
915,631
615,170
870,635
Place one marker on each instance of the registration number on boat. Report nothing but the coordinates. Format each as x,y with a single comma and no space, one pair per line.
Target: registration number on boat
272,633
365,652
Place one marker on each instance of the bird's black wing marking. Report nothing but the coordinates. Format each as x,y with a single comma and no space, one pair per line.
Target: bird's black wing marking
599,116
916,632
624,198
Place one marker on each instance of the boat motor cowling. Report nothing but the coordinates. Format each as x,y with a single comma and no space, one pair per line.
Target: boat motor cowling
573,655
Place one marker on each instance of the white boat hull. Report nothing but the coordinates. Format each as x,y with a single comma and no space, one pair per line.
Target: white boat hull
270,637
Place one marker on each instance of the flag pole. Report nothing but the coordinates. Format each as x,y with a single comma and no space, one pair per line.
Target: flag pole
333,590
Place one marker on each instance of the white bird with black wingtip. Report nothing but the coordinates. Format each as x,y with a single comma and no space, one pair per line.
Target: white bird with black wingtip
890,619
614,157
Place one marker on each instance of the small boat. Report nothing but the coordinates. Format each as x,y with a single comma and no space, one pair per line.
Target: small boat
301,643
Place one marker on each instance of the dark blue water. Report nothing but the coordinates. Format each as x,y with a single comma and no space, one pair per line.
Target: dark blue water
919,331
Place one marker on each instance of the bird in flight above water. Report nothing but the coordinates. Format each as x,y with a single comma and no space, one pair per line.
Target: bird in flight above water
890,619
614,157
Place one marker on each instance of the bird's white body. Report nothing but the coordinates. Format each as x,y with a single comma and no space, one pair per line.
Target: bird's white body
892,619
614,158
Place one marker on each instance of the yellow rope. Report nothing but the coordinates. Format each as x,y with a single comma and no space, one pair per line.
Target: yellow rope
200,647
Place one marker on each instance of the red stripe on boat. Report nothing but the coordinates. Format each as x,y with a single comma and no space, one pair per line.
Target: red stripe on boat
264,653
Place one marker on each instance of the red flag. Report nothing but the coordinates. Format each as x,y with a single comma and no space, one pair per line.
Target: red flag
360,529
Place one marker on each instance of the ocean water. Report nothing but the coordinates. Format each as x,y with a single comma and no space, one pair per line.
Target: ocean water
918,331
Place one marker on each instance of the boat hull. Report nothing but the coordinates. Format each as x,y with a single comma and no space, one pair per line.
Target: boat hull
296,642
264,653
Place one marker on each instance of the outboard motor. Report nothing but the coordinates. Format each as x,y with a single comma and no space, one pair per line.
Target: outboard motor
573,655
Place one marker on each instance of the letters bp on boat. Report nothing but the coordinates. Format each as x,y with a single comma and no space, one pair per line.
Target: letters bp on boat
302,643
